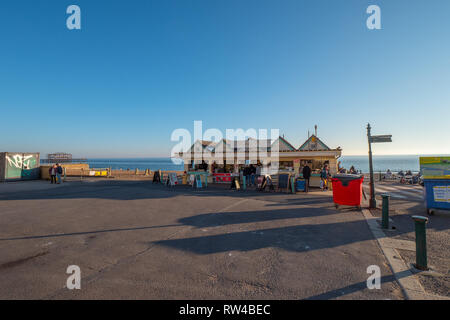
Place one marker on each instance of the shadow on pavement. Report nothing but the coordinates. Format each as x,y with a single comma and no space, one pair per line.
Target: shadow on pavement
87,232
134,190
238,217
298,238
355,287
206,220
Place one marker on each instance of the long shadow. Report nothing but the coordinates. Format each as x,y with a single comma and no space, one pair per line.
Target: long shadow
119,190
204,221
303,201
437,222
356,287
238,217
298,238
68,234
128,190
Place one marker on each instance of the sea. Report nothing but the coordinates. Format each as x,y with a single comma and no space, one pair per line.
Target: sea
361,163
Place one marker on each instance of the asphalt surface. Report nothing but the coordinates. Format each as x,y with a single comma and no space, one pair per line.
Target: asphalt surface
412,193
135,240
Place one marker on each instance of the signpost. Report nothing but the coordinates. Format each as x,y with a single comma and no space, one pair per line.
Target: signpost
385,138
374,139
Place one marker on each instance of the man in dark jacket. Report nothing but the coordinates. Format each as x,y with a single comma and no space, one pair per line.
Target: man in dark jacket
252,171
59,172
246,174
306,175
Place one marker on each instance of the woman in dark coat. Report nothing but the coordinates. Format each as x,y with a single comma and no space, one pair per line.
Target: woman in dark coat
53,171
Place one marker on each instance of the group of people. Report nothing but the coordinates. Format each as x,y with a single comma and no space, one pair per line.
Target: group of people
324,176
407,177
352,170
251,173
55,172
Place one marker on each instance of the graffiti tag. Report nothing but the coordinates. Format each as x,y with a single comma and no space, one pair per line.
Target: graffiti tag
20,162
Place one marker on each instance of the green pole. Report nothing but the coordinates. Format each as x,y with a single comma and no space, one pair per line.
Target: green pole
421,242
244,184
372,201
385,215
293,184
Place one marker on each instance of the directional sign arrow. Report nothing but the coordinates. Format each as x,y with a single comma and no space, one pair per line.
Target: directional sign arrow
379,139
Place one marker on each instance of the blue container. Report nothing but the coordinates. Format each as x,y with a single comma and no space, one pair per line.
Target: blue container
300,186
437,194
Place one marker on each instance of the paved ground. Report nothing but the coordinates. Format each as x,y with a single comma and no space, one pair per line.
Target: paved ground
22,186
137,240
397,191
406,201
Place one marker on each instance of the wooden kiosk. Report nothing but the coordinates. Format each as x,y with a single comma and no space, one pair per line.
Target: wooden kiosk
313,152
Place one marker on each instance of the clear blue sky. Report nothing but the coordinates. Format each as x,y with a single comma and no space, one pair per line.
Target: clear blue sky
140,69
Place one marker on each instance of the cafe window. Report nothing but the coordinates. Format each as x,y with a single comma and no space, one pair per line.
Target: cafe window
286,164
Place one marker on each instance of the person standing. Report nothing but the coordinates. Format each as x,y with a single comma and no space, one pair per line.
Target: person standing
258,174
156,177
306,175
246,174
59,171
252,174
324,175
258,170
52,171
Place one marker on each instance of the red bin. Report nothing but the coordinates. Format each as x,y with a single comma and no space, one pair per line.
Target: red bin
347,189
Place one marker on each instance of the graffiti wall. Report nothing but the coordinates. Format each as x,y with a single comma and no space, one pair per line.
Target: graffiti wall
20,166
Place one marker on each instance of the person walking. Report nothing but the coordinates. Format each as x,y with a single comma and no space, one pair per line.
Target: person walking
59,171
306,175
52,171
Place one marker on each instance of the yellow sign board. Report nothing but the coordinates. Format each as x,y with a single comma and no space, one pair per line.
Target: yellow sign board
435,167
101,173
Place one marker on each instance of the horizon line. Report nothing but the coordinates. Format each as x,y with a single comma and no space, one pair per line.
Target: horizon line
346,155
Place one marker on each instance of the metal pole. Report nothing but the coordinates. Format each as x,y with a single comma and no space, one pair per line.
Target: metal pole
421,242
372,201
385,215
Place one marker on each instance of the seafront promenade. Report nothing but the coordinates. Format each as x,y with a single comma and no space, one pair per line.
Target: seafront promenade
133,239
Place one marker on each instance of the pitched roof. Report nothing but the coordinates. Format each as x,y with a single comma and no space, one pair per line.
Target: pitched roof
313,144
204,144
284,145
